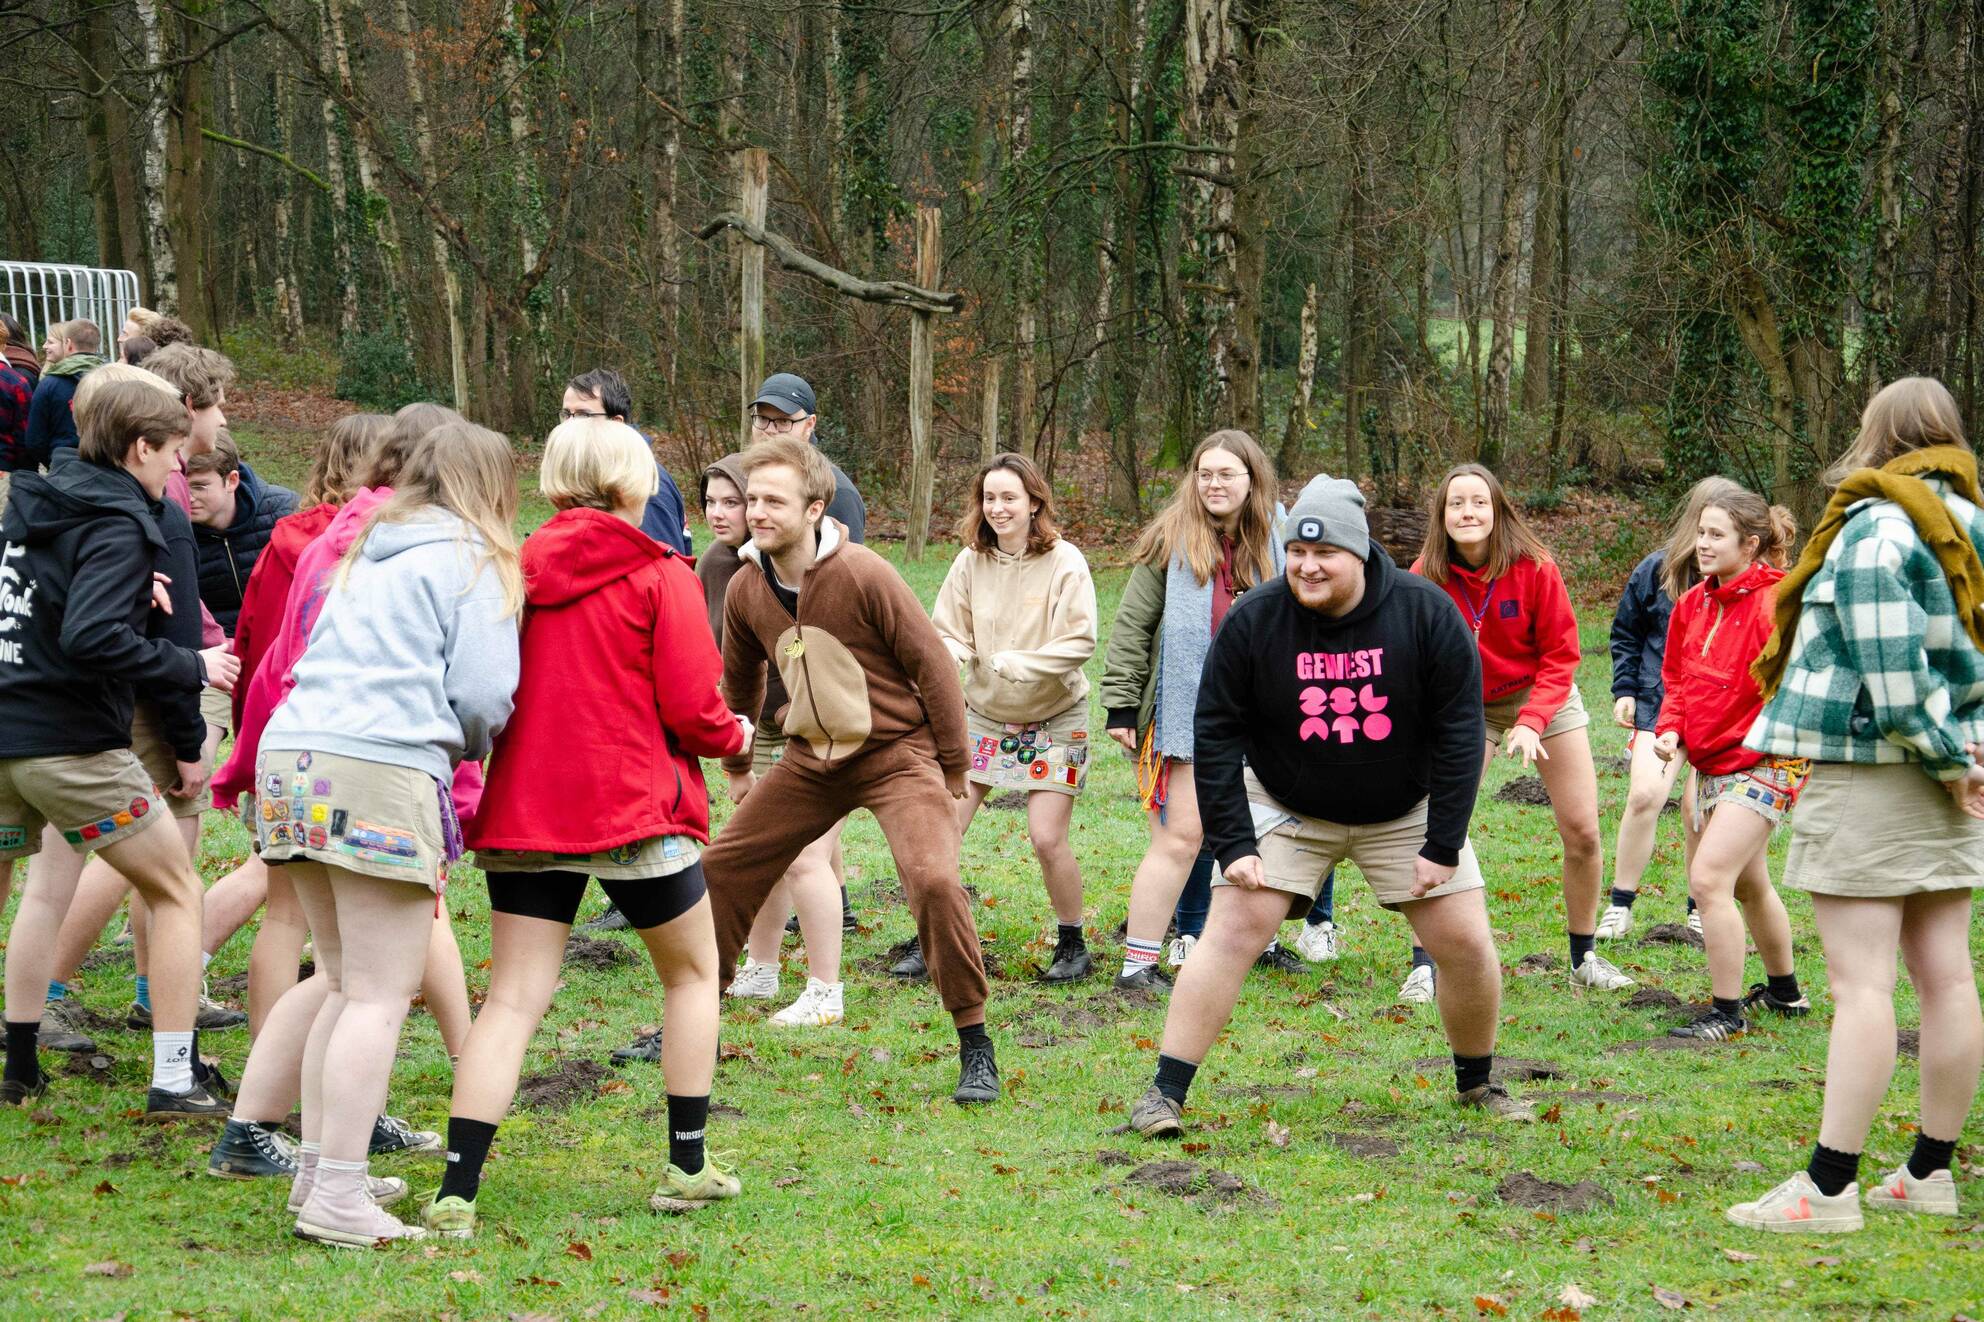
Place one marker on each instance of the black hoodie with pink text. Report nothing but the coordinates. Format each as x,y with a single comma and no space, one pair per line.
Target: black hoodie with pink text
1351,720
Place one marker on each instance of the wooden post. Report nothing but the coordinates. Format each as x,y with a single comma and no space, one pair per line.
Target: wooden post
923,383
988,418
753,189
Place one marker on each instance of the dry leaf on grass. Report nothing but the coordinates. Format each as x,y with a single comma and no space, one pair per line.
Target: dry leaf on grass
1671,1299
1572,1297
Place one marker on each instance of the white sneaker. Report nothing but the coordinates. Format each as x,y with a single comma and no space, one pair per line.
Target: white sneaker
755,981
1181,949
1615,922
1902,1192
1796,1207
819,1006
1317,943
1418,986
1599,974
1695,921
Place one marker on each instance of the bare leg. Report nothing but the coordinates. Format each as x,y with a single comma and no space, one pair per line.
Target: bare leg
1454,930
1935,942
1175,836
444,985
1763,912
141,918
385,928
684,955
272,1080
99,893
816,896
312,883
1729,840
232,901
1238,925
1861,938
1651,784
525,956
46,896
768,928
1573,784
1047,818
272,963
161,870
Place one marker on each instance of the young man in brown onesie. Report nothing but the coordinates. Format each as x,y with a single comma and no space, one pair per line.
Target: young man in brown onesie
874,719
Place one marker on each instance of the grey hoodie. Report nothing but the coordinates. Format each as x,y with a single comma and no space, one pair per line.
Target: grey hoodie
412,662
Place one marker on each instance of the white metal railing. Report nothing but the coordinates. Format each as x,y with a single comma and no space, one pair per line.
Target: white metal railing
43,293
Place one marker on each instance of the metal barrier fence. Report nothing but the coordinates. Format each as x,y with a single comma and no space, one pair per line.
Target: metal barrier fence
43,293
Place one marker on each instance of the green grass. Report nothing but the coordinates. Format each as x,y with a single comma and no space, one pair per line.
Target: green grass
867,1191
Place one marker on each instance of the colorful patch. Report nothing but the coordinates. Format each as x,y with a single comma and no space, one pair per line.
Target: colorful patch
320,787
73,837
377,856
988,745
1077,754
673,846
1028,736
302,761
1071,776
1026,754
338,819
624,854
1008,744
123,819
1038,771
320,813
140,806
275,810
14,837
390,840
319,837
1079,734
979,761
1007,763
299,810
108,826
279,834
272,785
299,786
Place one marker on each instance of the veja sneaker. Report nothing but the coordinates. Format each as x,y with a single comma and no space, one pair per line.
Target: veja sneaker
1615,922
819,1006
1496,1101
1796,1207
1157,1116
1317,944
755,982
682,1192
391,1134
1599,974
1417,989
1933,1195
451,1217
1181,950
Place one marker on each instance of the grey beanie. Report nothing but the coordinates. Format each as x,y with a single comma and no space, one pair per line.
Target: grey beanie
1330,510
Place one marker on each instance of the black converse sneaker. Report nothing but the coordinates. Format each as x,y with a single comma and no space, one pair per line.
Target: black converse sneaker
392,1134
247,1151
1712,1026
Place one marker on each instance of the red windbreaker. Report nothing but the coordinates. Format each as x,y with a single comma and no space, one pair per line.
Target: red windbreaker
617,701
267,592
1526,631
1715,633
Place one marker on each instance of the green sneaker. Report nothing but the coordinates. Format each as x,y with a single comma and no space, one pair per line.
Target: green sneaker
682,1192
450,1217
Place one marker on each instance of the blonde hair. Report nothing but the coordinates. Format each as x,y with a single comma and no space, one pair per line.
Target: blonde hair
596,463
202,373
123,411
1185,530
93,384
1681,571
342,456
470,472
816,475
1510,541
1910,414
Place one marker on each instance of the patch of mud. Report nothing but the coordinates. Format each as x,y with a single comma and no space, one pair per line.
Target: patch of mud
1779,1085
1579,1096
106,957
725,1108
594,952
1671,934
88,1065
1113,1157
1187,1179
885,890
1037,1041
1007,801
1369,1147
1526,1190
1654,998
1617,766
1908,1042
96,1022
574,1080
1508,1069
1540,962
1524,791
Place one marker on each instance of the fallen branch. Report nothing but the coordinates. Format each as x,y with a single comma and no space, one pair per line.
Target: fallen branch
899,293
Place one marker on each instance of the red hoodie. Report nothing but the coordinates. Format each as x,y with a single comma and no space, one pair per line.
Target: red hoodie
1715,633
618,697
1526,631
268,590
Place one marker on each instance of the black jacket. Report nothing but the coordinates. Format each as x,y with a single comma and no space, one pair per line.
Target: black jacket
1350,720
1639,639
228,555
77,552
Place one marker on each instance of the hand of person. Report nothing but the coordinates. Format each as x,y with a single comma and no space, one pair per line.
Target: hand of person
192,780
161,599
955,782
1622,713
1967,791
750,730
1667,746
1246,873
740,785
1429,876
223,667
1126,737
1526,744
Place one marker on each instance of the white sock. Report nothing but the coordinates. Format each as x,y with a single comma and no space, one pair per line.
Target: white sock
1139,955
172,1061
205,959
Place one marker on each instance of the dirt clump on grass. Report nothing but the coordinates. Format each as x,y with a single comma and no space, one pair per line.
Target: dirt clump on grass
1369,1147
1526,1190
1524,792
89,1065
1908,1042
1508,1069
574,1080
1007,801
1671,934
1654,998
1187,1179
593,952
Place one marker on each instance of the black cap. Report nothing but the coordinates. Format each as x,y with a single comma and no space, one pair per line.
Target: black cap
787,393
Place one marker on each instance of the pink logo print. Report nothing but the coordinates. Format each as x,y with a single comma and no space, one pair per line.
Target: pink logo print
1345,702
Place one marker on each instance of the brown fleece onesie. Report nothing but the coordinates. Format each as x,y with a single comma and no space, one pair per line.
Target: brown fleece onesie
875,720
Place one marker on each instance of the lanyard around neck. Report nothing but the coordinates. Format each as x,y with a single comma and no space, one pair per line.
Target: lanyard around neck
1477,614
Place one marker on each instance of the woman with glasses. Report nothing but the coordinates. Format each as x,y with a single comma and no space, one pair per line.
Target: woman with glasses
1214,541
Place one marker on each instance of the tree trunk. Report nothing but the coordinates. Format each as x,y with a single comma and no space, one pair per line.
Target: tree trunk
922,384
1508,243
1125,489
1358,327
1541,326
161,256
1756,321
988,410
372,199
288,294
753,190
1944,308
1289,460
1213,84
430,179
1249,220
1027,239
341,245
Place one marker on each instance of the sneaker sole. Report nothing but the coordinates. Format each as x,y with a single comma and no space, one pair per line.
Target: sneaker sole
1829,1225
1886,1204
436,1146
817,1021
168,1117
1162,1129
345,1239
676,1206
228,1173
450,1234
974,1100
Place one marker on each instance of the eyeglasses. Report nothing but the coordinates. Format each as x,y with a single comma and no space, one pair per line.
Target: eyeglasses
776,426
568,414
1223,477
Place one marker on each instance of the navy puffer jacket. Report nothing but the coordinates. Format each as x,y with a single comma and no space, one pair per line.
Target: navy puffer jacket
228,555
1639,639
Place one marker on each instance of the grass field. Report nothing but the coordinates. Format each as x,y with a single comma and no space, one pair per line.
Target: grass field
1331,1173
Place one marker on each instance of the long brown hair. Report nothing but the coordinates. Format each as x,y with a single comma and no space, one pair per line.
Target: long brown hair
1509,541
345,451
1680,570
1774,526
411,424
471,472
1910,414
1041,533
1184,530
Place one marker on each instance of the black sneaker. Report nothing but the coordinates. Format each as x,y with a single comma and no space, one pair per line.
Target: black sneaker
1148,978
1072,962
610,921
1761,995
1281,959
646,1047
792,925
138,1017
207,1075
978,1074
195,1103
392,1134
214,1016
62,1026
910,967
1712,1026
848,922
18,1094
247,1151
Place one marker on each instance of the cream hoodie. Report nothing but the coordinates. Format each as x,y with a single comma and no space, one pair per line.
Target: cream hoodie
1022,627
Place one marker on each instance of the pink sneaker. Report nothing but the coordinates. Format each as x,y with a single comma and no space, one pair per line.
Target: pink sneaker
384,1189
340,1213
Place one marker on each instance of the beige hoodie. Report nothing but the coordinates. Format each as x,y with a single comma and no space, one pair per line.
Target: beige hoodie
1022,627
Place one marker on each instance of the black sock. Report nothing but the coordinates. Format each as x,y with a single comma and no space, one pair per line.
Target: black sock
1472,1072
1582,946
1174,1077
845,907
1419,956
22,1064
1071,936
1930,1155
688,1117
1832,1171
973,1035
1732,1008
1783,986
468,1148
1691,904
1624,899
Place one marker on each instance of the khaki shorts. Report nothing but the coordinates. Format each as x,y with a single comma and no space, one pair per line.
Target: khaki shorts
1032,755
639,860
93,799
218,708
1502,713
1297,855
160,763
1901,836
364,817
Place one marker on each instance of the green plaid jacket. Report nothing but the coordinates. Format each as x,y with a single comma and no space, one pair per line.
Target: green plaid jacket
1881,669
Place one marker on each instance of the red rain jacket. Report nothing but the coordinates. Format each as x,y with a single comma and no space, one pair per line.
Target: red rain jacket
1715,633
